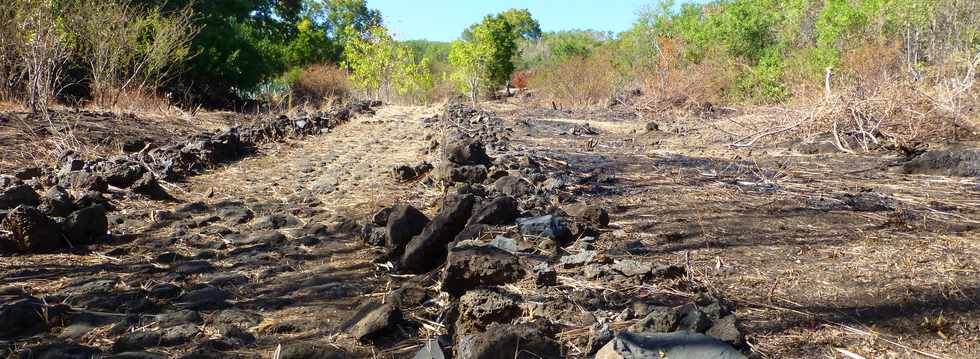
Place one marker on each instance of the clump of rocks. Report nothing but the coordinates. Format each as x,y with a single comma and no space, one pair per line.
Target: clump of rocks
509,261
71,211
48,222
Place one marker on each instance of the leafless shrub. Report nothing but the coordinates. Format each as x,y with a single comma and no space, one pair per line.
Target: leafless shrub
45,51
10,43
577,81
667,86
321,84
127,49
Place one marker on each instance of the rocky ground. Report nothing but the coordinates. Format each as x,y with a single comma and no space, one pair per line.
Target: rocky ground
449,232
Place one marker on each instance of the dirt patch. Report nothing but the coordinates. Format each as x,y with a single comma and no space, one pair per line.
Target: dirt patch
615,226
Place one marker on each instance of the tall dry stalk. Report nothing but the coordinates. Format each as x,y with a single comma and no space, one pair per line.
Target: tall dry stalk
10,44
45,52
127,49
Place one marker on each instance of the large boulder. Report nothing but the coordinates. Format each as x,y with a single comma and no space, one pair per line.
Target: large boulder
427,250
57,202
952,161
501,210
513,186
687,345
479,308
403,223
470,267
87,225
32,231
590,213
18,194
468,152
508,341
373,319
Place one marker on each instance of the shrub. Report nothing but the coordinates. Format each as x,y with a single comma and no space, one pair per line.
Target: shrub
384,69
320,84
126,49
44,53
577,81
10,43
520,79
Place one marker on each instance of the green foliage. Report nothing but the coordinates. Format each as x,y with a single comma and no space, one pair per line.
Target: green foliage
557,46
309,46
524,25
381,67
484,62
436,52
350,19
247,43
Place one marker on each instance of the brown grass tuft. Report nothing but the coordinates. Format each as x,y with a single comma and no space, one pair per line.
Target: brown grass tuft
577,82
321,85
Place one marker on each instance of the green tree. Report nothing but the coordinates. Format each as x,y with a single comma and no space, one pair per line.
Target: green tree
524,25
484,62
351,19
381,67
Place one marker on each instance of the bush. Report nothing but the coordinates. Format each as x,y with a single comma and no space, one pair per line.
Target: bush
126,49
320,84
576,81
385,69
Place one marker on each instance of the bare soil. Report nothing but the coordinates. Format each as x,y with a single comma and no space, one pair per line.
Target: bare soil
821,253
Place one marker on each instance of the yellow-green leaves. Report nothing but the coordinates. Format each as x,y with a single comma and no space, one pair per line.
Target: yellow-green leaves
382,68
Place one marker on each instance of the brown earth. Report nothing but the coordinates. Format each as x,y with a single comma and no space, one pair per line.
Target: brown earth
821,253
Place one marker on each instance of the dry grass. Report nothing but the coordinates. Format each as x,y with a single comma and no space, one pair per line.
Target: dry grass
320,85
808,283
576,82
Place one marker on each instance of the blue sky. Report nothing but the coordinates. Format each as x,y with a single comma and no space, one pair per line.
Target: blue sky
444,20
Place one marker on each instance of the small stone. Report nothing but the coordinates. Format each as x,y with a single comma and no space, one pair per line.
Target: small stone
373,318
667,345
632,268
499,211
380,218
545,276
59,351
668,271
87,225
276,221
692,319
578,259
17,195
136,341
659,320
193,267
33,231
205,298
177,318
591,213
547,226
726,329
480,307
505,243
430,350
403,223
179,334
